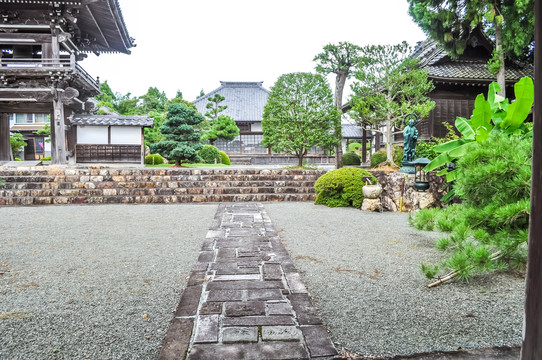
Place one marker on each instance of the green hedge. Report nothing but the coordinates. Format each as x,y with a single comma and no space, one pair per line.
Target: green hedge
225,158
209,154
377,158
154,159
351,158
341,187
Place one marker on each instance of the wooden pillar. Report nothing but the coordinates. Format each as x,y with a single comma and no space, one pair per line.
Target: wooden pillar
364,146
532,330
5,147
58,142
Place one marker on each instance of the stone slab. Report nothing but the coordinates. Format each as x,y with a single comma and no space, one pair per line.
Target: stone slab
295,283
177,339
209,308
271,350
189,303
206,329
206,256
245,308
258,321
196,278
239,335
305,311
229,278
281,333
318,341
279,308
264,294
242,284
225,295
272,271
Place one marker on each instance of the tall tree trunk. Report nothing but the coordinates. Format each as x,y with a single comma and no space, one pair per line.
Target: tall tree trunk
340,81
300,159
389,145
498,47
531,348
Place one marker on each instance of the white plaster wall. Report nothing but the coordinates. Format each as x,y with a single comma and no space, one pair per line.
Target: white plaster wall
256,127
126,135
92,134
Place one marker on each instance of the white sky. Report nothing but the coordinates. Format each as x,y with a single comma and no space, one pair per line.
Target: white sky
194,44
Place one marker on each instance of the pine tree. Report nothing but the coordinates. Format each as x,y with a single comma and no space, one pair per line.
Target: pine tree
223,128
181,142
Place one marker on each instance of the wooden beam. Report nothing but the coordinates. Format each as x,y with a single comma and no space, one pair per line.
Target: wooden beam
5,148
97,25
532,345
24,38
25,108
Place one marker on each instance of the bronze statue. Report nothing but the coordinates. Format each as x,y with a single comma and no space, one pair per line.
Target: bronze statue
410,136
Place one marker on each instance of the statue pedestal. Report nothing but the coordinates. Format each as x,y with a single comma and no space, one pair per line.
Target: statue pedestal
407,168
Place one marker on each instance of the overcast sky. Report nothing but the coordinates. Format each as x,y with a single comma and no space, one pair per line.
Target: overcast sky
192,45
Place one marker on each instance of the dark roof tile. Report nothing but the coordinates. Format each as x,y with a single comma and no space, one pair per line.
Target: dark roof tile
112,120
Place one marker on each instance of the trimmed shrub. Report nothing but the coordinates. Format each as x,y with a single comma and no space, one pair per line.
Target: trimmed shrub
341,187
47,158
378,158
354,147
351,158
225,158
398,155
209,154
154,159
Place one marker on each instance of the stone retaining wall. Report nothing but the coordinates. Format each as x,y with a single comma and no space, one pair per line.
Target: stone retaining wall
57,185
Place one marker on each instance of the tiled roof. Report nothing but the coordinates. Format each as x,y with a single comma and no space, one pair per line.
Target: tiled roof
351,131
245,100
475,70
112,120
441,67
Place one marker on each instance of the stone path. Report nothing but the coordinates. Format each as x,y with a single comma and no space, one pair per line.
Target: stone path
244,298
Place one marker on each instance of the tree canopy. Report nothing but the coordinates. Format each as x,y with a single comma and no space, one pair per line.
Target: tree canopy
181,140
338,59
388,86
223,128
300,113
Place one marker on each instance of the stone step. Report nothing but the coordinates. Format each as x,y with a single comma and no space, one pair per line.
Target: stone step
155,191
32,185
152,199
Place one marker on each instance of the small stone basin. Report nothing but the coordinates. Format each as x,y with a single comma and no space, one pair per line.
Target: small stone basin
372,191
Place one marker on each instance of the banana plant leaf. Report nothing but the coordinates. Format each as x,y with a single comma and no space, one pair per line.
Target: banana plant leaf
450,145
437,162
481,115
465,128
459,151
519,109
496,101
448,196
482,134
451,176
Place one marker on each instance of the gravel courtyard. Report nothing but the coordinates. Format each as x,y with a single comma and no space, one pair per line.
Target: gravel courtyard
363,270
102,281
96,281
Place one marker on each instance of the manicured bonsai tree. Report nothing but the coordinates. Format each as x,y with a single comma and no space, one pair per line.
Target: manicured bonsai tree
223,128
225,158
341,187
182,142
154,159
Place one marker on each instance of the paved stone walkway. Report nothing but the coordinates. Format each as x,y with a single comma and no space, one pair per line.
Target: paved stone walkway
244,298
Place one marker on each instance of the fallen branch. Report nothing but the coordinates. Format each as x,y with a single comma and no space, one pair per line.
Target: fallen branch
454,273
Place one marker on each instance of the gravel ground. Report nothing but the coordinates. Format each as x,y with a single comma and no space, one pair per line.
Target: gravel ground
363,270
94,282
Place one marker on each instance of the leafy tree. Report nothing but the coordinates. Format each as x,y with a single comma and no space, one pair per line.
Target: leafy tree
154,135
16,141
300,113
201,94
127,105
154,99
224,128
106,96
388,87
450,23
181,141
338,59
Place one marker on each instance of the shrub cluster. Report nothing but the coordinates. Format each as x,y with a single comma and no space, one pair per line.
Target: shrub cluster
210,154
378,158
351,158
225,158
154,159
341,187
354,147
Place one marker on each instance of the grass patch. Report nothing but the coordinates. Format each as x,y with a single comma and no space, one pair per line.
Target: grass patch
189,165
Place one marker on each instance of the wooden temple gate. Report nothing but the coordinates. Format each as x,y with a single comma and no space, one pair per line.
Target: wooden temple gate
41,42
